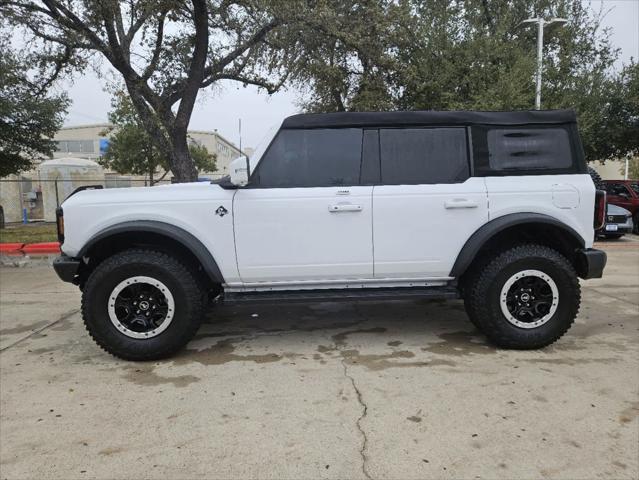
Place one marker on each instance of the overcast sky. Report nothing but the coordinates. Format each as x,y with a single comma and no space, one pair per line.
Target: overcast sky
221,109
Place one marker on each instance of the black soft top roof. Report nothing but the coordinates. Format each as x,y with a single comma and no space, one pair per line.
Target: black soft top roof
427,117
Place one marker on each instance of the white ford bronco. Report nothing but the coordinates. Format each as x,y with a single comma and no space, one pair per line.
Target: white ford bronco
497,208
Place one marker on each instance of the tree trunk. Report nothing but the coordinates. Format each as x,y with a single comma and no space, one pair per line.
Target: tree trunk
151,176
182,165
180,160
158,124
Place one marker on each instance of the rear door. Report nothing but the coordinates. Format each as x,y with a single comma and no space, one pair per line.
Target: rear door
428,204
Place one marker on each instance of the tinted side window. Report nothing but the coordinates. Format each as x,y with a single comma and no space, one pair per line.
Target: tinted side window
311,158
412,156
523,150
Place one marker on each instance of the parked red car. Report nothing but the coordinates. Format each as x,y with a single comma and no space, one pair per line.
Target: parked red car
625,194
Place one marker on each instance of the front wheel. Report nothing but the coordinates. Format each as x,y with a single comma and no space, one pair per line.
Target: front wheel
525,298
142,305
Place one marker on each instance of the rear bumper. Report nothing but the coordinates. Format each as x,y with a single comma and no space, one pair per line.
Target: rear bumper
591,263
67,268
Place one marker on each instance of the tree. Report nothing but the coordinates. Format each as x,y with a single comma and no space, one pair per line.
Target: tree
164,51
621,130
463,55
347,55
132,150
28,117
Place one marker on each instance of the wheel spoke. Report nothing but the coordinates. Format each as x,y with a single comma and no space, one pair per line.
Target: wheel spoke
143,307
122,302
528,298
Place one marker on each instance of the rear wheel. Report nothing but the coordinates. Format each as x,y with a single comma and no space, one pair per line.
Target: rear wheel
142,305
524,298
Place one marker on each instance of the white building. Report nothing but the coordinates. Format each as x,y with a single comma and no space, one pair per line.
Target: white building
611,169
35,194
91,142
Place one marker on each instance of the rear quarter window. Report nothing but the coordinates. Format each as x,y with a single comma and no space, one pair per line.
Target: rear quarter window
526,150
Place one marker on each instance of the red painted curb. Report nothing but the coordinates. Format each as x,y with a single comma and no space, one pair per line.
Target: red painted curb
11,247
47,247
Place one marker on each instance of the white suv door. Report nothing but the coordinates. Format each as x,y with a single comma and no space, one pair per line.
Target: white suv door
304,217
428,204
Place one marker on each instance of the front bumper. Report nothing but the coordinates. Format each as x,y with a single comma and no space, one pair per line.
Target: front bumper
591,263
622,228
67,268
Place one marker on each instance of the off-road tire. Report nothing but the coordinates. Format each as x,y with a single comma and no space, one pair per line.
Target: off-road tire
472,315
186,290
466,284
483,297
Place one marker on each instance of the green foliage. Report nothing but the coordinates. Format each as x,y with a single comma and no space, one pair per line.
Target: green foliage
164,52
346,61
28,117
204,161
133,151
619,135
466,55
363,55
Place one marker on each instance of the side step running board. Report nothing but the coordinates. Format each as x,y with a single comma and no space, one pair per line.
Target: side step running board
328,295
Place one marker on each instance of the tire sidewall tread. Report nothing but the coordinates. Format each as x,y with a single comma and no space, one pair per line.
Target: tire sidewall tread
185,288
483,296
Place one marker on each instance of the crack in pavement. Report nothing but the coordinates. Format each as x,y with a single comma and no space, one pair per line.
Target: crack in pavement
611,296
33,332
360,400
358,423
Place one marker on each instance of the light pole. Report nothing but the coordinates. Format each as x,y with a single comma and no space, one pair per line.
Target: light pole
540,49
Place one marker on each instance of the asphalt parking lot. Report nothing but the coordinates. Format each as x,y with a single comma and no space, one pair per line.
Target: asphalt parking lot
359,390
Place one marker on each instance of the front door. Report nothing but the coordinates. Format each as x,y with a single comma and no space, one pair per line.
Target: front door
428,205
304,216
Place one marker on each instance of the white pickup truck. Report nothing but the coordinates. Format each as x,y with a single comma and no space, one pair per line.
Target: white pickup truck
494,207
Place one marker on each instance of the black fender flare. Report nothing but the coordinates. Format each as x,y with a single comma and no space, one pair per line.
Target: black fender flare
177,234
482,235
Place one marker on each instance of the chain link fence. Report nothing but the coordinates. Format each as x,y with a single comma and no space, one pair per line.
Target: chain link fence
28,199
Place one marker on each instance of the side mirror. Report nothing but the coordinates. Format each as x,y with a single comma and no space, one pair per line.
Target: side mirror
239,171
